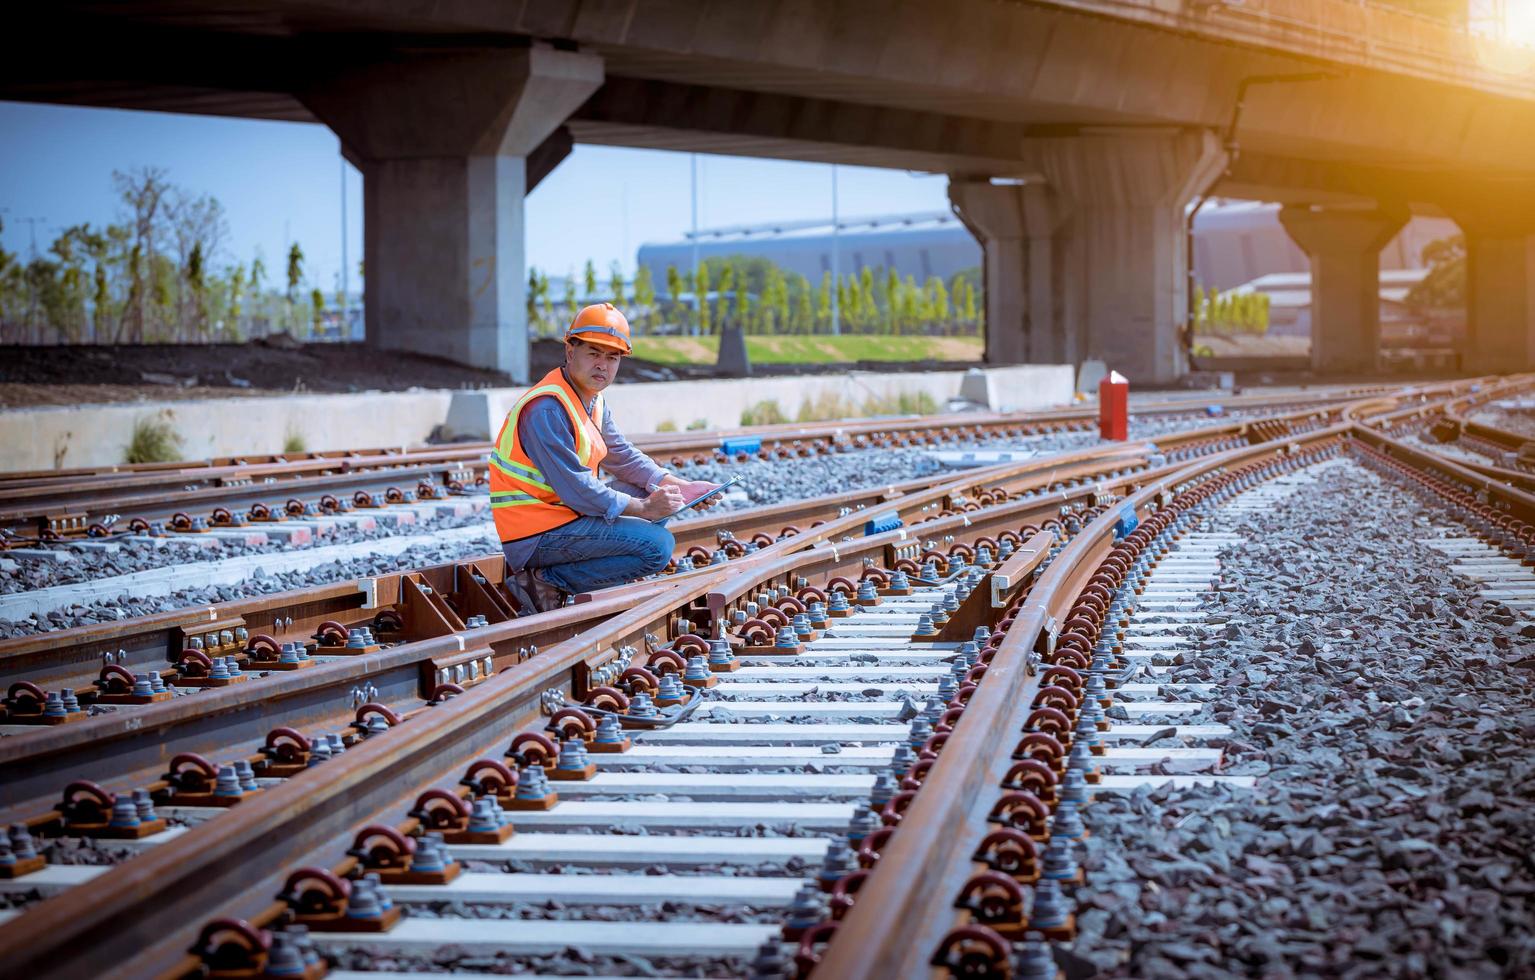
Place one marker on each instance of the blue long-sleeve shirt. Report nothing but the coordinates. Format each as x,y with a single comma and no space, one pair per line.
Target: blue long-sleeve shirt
544,433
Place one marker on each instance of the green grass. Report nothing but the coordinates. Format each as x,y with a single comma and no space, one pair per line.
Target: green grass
812,350
154,441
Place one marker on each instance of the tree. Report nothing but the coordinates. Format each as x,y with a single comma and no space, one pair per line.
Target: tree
317,302
530,301
196,285
295,276
644,289
143,192
236,293
570,292
743,301
823,304
774,304
1444,287
701,295
726,285
804,306
674,291
543,296
193,223
938,296
616,284
589,280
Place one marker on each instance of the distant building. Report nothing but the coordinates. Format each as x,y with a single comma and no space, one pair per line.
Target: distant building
1235,242
931,243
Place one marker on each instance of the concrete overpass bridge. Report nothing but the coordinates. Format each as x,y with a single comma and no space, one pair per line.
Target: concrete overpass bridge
1076,134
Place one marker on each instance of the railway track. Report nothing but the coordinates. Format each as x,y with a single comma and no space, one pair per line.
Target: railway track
862,747
240,499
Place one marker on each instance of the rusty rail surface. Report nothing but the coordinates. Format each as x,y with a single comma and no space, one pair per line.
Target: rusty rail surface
68,502
139,918
126,747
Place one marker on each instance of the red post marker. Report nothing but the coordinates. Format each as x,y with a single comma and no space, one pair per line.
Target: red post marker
1114,407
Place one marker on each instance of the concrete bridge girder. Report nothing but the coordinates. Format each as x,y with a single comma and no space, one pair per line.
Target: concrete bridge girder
444,144
1344,247
1500,288
1093,263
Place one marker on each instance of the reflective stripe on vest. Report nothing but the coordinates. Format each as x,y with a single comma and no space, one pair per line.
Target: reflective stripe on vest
522,502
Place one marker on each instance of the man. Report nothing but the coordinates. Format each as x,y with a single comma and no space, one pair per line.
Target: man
562,529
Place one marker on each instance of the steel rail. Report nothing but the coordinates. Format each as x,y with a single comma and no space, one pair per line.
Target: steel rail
69,498
146,911
907,905
161,892
74,654
124,748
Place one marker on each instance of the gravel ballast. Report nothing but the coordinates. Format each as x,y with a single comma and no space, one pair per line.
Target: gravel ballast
1388,710
762,482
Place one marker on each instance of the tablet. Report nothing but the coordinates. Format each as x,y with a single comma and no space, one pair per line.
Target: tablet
699,499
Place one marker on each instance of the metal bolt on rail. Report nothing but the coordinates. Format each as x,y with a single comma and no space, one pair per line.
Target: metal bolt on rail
246,775
641,706
921,730
227,783
805,912
1068,822
839,861
885,786
1035,961
864,821
21,842
1073,787
1060,860
1050,910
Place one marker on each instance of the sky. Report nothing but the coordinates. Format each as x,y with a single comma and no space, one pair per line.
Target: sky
282,182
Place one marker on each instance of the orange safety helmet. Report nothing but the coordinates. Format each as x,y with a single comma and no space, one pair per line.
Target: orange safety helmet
601,324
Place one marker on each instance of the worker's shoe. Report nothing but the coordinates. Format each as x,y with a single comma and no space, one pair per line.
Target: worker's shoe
532,592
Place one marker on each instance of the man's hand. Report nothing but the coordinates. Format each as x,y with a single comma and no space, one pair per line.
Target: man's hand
696,489
664,501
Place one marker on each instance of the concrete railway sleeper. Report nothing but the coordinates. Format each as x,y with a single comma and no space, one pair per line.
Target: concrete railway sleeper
1017,900
85,576
824,642
286,751
65,504
128,748
988,559
223,646
135,519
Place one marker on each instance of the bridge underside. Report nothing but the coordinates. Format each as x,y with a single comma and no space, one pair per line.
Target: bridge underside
1101,133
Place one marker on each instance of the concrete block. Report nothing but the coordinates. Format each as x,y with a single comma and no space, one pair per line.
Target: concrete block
469,417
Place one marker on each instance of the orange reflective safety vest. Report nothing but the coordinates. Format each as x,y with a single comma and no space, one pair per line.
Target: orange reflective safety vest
521,500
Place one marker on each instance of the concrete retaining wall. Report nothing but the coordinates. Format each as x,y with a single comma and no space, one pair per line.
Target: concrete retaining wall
98,435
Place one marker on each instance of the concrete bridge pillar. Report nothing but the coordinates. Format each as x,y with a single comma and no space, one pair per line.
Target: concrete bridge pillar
1016,225
1344,246
1500,289
1124,255
444,141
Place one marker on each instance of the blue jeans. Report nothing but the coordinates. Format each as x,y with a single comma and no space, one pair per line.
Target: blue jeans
589,553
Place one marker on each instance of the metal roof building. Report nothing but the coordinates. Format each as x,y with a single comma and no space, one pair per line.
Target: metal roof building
1235,242
932,243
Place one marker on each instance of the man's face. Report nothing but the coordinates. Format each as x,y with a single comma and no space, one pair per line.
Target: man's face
591,367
